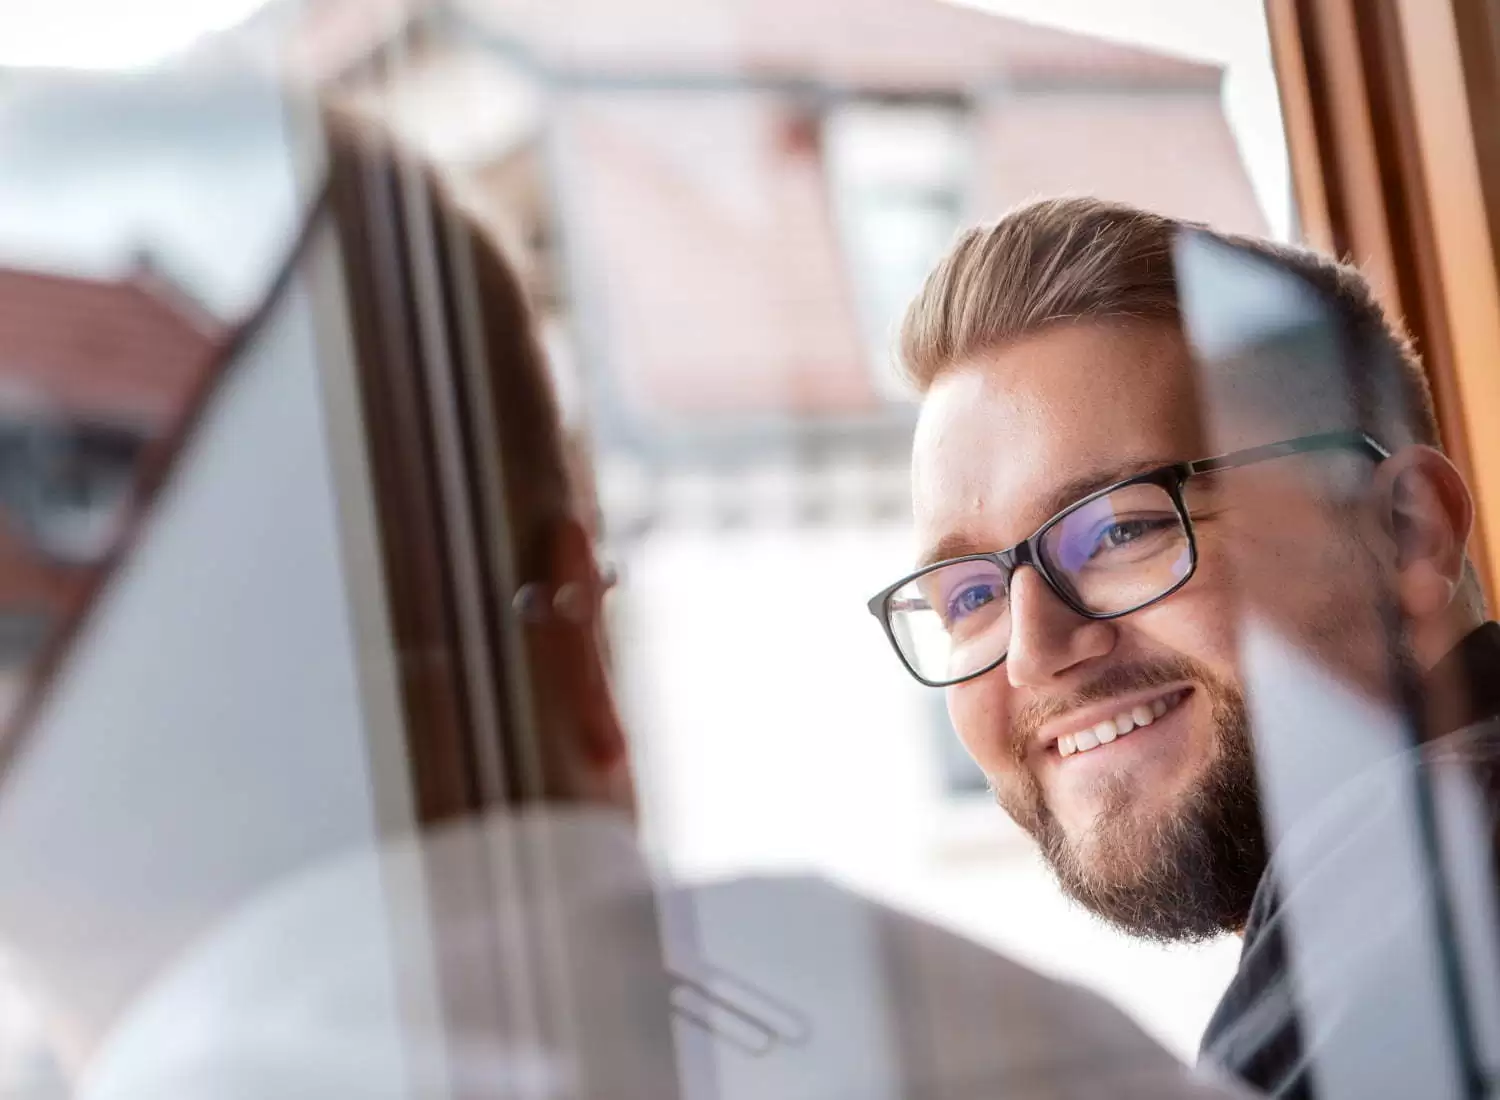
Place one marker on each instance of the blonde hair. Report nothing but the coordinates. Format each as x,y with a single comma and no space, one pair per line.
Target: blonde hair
1082,259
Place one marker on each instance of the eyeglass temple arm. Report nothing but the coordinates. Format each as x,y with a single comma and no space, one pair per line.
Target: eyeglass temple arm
1326,441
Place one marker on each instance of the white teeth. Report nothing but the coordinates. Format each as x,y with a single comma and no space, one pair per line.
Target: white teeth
1143,714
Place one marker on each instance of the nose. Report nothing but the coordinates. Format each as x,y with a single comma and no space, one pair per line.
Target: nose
1048,638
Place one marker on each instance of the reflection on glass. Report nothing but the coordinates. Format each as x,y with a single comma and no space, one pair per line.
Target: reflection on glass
716,213
1365,817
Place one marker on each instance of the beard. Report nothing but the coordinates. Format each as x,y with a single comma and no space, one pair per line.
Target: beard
1187,874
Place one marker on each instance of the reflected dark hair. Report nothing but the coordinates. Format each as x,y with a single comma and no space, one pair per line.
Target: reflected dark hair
534,446
469,462
493,326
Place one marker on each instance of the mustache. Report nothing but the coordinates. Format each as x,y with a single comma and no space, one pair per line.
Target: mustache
1117,680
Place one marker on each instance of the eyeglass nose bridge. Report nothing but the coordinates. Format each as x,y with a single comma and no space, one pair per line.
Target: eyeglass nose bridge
1010,562
1028,553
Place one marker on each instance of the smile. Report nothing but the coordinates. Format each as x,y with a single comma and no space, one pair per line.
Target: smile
1121,724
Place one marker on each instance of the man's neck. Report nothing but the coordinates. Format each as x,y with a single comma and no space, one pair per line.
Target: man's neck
1431,641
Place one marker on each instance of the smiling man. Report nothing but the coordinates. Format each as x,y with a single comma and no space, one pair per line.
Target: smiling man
1087,544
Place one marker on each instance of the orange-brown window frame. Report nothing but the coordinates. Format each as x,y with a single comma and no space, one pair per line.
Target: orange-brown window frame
1391,118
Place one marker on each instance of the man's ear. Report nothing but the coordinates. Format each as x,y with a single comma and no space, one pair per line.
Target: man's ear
1427,511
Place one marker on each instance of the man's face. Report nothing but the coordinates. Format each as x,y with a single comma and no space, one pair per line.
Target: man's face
1157,830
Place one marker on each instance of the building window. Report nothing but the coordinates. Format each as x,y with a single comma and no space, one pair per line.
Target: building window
899,174
67,483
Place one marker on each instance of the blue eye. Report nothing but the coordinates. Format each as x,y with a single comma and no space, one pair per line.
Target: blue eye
968,600
1115,536
1118,534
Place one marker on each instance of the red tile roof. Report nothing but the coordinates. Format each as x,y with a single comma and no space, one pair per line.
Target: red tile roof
719,282
886,43
1168,153
127,349
722,279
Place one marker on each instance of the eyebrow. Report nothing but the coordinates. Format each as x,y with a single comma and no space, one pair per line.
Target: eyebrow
958,544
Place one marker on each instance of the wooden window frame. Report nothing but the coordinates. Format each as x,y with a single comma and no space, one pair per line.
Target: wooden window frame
1391,119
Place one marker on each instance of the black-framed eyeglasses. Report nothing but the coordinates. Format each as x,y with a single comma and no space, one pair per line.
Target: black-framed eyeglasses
1114,552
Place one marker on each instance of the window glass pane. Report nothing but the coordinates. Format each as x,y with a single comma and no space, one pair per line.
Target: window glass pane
447,456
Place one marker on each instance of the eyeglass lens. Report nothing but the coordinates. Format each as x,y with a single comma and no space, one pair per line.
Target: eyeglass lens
1109,556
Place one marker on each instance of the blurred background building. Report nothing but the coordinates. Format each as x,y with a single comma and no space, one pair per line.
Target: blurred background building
94,376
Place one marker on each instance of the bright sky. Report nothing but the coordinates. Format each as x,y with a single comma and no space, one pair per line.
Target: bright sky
109,34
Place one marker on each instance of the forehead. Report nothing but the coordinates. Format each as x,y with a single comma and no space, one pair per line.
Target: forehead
1000,435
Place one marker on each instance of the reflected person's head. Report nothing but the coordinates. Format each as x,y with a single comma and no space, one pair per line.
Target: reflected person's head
559,585
548,688
1050,353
